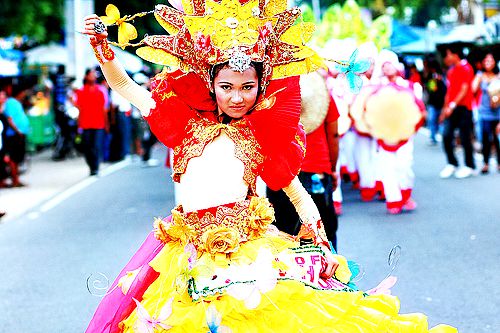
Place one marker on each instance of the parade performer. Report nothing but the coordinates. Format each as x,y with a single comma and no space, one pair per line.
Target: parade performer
318,171
364,147
231,112
393,112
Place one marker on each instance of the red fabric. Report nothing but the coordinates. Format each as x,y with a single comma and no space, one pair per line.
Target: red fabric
177,97
456,76
278,131
415,78
317,158
90,100
343,171
279,169
379,187
276,126
405,195
354,176
368,194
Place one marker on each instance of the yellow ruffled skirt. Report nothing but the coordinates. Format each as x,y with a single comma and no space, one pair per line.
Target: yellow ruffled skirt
291,306
206,282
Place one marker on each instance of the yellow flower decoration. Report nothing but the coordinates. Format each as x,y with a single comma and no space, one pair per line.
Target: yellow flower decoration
221,239
261,216
176,230
126,31
179,230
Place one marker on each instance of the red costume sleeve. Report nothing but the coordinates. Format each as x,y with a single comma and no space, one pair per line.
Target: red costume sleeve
178,97
281,168
333,112
277,130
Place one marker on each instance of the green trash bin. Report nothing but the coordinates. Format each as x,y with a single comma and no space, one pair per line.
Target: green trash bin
42,133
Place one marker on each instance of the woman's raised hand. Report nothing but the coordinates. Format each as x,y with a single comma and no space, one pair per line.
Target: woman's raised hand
93,27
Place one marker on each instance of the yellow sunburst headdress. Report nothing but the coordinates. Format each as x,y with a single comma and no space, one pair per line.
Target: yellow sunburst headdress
211,32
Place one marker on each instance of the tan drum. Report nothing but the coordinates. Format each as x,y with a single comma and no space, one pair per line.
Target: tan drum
392,114
357,110
315,101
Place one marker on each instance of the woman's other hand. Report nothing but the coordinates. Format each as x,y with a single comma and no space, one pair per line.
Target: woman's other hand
93,27
331,263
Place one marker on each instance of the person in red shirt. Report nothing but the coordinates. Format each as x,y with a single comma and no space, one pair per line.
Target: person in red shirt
92,119
317,175
457,112
414,75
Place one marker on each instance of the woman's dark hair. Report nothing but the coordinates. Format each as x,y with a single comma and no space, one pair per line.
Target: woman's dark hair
433,64
87,71
455,49
217,68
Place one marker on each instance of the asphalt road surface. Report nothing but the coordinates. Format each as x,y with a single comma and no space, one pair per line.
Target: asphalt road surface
448,265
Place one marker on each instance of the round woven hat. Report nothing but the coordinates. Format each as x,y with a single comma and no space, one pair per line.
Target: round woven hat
315,101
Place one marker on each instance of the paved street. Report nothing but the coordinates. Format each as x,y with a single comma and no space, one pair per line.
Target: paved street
448,266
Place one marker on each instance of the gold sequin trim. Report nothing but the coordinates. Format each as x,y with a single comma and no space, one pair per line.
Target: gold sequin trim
218,229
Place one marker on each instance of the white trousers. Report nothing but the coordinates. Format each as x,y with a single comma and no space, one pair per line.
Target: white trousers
346,151
363,151
395,170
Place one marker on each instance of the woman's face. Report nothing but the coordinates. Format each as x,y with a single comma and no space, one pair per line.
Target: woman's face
389,70
236,92
3,98
489,63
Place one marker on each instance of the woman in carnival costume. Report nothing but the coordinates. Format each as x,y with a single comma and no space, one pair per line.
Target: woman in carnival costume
231,112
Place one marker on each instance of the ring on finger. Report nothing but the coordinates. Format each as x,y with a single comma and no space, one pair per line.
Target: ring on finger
99,27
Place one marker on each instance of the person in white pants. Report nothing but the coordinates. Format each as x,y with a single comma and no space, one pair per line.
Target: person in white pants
395,161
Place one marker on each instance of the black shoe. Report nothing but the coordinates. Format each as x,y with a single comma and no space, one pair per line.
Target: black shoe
93,173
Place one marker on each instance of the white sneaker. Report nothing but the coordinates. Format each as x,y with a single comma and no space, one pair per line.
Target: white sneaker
447,171
464,172
151,163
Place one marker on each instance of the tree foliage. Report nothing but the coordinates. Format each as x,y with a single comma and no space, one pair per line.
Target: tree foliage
43,20
423,10
40,20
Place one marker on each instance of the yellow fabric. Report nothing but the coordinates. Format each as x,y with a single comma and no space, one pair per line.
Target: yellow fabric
289,307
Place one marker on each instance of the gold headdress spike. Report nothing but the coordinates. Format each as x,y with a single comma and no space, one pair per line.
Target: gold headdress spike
211,32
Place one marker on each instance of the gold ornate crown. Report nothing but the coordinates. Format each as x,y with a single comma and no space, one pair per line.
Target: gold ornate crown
211,32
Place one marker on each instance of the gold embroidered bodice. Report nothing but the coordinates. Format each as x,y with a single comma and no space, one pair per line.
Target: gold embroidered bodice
202,131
